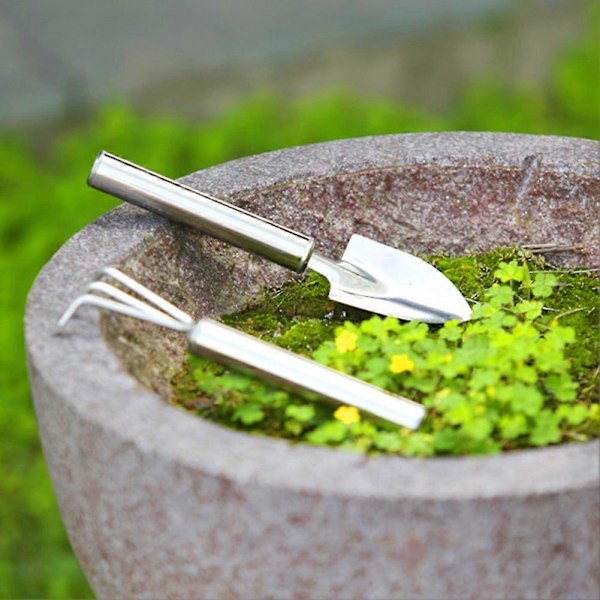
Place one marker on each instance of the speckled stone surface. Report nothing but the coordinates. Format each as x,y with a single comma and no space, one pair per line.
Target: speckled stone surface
161,504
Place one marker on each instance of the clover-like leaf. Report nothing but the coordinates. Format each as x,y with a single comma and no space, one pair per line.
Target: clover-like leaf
574,414
543,284
388,441
236,382
414,331
510,271
500,295
293,427
546,429
512,426
418,444
509,321
462,412
302,413
550,360
451,331
532,309
479,428
328,432
526,374
249,413
562,386
559,336
481,378
446,440
446,399
525,331
522,398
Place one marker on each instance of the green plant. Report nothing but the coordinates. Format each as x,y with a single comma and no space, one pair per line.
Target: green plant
575,92
568,105
507,379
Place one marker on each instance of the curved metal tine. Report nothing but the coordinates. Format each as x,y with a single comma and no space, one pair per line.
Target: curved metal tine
150,296
124,309
125,298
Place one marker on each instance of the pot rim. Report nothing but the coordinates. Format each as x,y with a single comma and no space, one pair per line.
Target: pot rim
73,363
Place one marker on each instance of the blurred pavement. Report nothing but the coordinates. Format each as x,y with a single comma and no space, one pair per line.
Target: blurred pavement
199,56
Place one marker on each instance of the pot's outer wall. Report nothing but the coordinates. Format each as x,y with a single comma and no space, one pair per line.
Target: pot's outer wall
161,504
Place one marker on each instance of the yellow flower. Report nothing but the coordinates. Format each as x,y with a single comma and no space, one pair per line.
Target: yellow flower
401,363
346,341
347,414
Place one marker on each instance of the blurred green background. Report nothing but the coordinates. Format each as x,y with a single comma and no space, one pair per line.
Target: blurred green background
44,200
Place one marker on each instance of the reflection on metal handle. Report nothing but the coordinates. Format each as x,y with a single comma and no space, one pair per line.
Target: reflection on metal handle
214,217
236,349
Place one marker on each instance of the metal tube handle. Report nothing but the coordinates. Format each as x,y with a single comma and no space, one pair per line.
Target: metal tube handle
212,216
236,349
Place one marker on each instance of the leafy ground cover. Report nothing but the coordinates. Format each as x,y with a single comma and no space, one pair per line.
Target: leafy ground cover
523,372
44,200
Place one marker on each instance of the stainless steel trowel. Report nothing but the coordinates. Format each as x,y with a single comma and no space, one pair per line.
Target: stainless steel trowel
371,276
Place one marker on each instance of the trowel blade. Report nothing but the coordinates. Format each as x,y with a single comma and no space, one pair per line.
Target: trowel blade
387,281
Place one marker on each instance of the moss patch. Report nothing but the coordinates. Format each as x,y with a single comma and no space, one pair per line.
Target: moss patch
300,317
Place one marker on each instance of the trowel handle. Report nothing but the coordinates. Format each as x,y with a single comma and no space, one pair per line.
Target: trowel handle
239,350
214,217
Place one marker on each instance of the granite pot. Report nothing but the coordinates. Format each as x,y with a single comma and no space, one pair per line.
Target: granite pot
161,504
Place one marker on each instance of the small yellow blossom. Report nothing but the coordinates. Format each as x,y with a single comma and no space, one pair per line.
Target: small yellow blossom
346,341
347,414
479,409
401,363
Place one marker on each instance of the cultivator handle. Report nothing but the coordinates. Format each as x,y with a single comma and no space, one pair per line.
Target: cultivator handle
239,350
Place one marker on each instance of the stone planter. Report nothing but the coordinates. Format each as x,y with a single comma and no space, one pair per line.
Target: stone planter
161,504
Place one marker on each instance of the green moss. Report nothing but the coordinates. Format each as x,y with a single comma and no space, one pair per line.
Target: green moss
474,273
300,317
305,336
